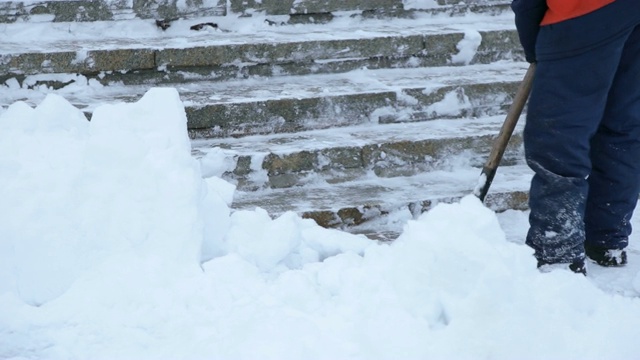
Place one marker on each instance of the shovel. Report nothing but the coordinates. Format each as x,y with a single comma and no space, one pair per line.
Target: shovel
491,166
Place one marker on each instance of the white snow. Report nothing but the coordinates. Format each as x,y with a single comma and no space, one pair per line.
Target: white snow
419,4
89,93
115,243
113,246
24,37
467,47
453,103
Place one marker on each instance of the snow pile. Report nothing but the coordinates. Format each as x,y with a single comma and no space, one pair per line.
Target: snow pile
112,246
75,194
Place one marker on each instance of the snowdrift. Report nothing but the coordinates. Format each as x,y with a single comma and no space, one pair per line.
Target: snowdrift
114,246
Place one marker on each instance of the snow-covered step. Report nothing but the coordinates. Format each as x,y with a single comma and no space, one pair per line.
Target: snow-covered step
362,202
286,7
293,103
344,154
485,7
138,51
382,8
455,2
101,10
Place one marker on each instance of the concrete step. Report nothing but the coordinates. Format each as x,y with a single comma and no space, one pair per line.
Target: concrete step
453,2
366,8
102,10
138,52
368,205
457,8
299,10
295,103
286,7
341,155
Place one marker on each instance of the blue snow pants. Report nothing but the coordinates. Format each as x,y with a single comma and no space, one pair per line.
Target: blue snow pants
582,140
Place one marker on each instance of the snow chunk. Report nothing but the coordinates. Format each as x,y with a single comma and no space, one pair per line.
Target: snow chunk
287,242
216,162
454,103
467,47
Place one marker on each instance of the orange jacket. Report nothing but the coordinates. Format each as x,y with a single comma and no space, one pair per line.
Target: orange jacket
560,10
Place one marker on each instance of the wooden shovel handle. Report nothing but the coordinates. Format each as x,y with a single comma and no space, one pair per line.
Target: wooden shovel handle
491,166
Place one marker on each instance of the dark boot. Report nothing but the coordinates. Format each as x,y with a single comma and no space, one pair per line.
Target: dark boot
607,257
577,266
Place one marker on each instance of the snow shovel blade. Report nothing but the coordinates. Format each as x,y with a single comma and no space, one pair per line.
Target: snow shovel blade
497,151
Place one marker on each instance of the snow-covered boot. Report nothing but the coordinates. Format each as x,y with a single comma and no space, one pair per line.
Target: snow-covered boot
607,257
577,266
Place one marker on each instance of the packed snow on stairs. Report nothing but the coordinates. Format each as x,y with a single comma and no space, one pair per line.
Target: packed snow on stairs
114,246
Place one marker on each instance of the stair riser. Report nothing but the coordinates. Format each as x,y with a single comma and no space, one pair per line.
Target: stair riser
225,72
284,58
100,10
453,2
61,11
286,7
453,10
392,159
290,115
360,215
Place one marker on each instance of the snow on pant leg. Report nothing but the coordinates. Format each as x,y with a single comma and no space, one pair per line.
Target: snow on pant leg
614,182
566,106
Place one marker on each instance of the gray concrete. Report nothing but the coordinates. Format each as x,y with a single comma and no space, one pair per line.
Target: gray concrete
350,217
357,202
101,10
306,65
339,155
82,62
311,10
288,104
290,115
291,52
287,7
264,59
391,159
286,115
453,2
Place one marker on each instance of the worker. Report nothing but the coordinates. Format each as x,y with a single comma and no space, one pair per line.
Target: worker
582,132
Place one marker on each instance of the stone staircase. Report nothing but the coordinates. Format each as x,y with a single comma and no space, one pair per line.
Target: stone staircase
297,10
343,111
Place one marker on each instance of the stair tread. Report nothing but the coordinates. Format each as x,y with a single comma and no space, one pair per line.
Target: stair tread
76,10
390,193
353,136
144,34
202,93
359,81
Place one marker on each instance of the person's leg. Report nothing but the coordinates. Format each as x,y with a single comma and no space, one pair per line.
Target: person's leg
614,183
566,106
